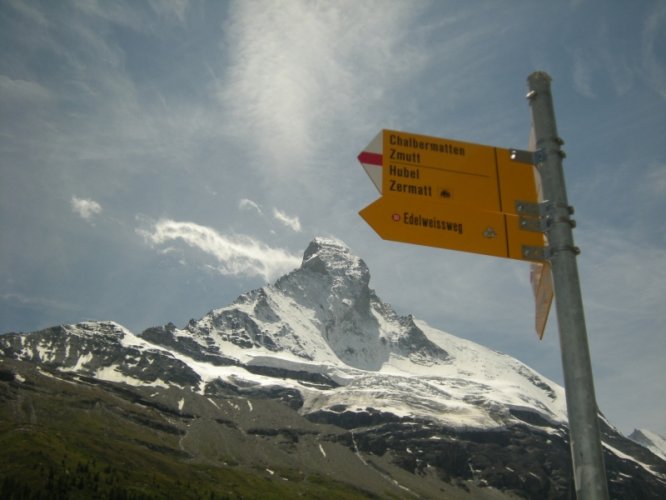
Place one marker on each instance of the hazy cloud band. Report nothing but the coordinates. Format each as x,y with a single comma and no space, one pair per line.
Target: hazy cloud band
236,255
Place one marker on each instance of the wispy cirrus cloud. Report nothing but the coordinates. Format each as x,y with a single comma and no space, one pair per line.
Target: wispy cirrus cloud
96,107
299,67
292,223
247,204
85,208
235,255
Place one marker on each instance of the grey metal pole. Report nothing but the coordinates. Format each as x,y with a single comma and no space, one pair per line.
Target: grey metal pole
584,435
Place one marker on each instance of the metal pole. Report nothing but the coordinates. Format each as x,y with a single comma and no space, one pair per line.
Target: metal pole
584,436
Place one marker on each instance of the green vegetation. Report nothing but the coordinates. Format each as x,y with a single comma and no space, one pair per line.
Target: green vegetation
45,478
60,441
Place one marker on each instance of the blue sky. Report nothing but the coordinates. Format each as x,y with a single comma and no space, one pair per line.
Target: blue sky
158,158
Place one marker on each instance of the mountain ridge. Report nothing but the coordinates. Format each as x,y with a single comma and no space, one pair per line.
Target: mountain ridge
320,342
651,440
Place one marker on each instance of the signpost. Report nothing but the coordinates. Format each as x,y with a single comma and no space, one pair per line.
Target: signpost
450,226
492,201
584,432
448,171
451,194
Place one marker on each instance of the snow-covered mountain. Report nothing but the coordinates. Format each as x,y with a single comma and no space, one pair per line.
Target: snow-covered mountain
322,342
651,440
320,322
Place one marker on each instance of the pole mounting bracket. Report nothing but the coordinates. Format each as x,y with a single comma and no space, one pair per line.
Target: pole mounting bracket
530,157
521,156
541,217
536,253
531,209
546,253
535,224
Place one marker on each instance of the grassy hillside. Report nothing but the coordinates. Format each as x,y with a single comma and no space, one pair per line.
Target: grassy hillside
65,440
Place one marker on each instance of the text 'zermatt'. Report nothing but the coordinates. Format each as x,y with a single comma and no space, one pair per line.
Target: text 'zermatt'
409,188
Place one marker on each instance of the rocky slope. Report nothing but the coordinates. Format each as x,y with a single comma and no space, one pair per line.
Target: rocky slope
651,440
315,371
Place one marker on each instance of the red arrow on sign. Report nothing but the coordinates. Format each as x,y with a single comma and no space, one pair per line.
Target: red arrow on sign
371,159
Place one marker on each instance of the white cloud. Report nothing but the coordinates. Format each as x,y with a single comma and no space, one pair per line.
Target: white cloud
246,204
291,222
84,208
298,68
236,255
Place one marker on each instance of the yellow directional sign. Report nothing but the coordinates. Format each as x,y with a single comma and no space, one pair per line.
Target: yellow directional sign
448,171
414,149
452,226
449,194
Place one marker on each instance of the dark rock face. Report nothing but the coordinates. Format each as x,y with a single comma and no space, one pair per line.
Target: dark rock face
517,459
310,379
354,419
89,347
417,346
650,440
164,336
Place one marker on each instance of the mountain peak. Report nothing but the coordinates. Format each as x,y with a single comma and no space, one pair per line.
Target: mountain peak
332,256
325,242
329,274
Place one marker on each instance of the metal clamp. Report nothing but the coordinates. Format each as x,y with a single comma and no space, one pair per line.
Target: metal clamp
560,214
534,216
535,253
542,216
535,224
531,209
521,156
530,157
546,253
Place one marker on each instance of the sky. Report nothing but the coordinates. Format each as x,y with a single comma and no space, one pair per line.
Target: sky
159,158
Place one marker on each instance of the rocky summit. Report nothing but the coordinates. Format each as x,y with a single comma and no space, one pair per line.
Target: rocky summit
311,386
